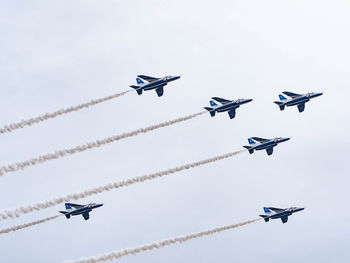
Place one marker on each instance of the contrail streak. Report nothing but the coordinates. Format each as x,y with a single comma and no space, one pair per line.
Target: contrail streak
19,227
22,124
90,145
157,245
5,214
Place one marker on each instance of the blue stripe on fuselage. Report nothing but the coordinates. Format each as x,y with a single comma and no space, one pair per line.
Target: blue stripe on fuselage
227,107
265,145
297,101
81,211
279,215
154,85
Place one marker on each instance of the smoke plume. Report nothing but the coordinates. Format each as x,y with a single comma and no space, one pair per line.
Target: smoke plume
19,227
81,148
5,214
157,245
22,124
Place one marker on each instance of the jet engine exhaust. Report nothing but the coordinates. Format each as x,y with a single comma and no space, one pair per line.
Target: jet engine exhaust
157,245
19,227
90,145
22,124
5,214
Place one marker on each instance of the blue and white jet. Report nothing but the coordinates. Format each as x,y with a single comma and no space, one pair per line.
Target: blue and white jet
295,99
75,209
256,143
148,83
275,213
226,105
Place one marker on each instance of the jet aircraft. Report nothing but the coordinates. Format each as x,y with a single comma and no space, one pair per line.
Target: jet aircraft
295,99
148,83
275,213
264,144
226,105
75,209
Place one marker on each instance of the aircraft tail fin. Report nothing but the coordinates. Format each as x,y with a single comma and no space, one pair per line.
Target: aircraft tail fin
139,81
212,103
280,104
137,88
65,213
211,111
251,141
267,211
282,97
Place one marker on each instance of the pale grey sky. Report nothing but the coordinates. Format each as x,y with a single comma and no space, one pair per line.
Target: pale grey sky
58,54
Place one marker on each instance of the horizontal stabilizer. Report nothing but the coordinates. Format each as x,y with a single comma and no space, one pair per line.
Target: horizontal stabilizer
280,104
65,213
137,88
266,218
249,148
211,111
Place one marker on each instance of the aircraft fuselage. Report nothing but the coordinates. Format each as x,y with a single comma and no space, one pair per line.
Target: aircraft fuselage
231,105
158,83
85,209
301,99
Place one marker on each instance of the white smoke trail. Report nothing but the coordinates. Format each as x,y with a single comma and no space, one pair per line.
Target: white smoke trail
18,227
5,214
90,145
22,124
157,245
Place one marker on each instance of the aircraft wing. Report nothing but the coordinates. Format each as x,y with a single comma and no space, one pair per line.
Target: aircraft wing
160,91
76,206
261,140
221,100
291,94
147,78
277,210
284,219
86,216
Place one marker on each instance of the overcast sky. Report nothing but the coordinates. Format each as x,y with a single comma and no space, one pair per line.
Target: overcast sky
56,54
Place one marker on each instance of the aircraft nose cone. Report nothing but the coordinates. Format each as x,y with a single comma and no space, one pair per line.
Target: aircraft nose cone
319,94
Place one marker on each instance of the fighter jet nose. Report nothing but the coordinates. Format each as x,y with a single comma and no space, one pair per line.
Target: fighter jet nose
246,101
